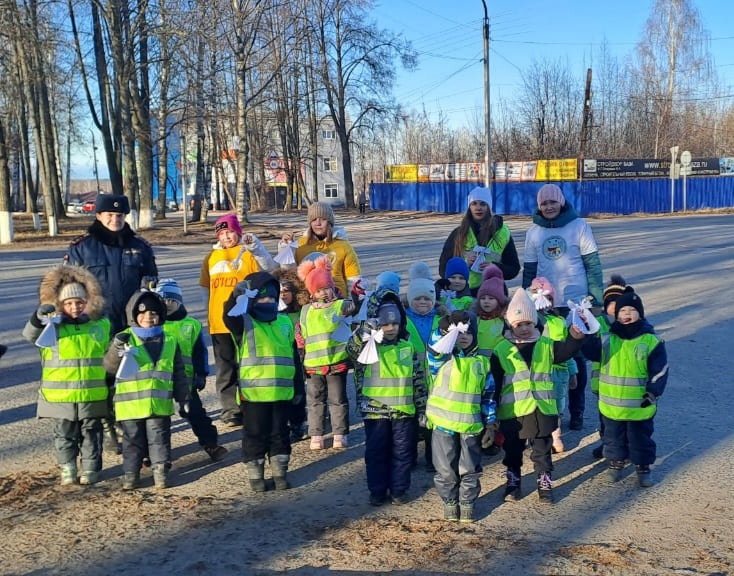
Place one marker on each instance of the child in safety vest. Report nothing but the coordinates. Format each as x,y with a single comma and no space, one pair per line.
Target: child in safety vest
489,307
453,290
73,391
323,332
614,290
293,297
188,334
144,395
423,316
460,411
391,394
633,375
564,373
522,366
269,369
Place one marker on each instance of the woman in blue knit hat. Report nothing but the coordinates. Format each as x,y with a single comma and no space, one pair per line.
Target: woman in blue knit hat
481,239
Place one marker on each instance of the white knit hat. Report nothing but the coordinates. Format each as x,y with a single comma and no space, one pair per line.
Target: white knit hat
72,290
521,309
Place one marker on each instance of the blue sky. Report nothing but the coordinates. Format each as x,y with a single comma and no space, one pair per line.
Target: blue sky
448,38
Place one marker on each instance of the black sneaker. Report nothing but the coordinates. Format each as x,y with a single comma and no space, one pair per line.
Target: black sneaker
216,453
545,488
513,490
577,423
233,421
598,452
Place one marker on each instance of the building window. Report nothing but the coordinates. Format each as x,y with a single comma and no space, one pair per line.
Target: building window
331,190
328,134
329,164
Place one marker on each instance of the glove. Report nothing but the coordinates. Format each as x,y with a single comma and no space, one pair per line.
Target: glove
183,409
45,310
648,399
488,435
422,420
121,340
148,282
367,327
357,289
199,382
442,284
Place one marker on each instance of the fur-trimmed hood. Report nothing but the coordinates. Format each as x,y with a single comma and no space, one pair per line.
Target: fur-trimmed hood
63,274
289,276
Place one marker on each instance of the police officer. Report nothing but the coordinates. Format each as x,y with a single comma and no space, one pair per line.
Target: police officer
121,261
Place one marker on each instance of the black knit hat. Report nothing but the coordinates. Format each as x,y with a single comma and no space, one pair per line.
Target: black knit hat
630,298
112,203
614,290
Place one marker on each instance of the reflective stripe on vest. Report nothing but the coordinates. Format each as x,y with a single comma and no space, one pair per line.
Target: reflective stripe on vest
596,366
523,389
317,326
390,382
623,376
185,331
73,370
455,401
150,391
267,367
497,244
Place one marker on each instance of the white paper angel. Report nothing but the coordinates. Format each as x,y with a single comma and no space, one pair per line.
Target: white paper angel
286,255
581,316
447,342
369,355
343,330
128,367
48,338
242,303
541,300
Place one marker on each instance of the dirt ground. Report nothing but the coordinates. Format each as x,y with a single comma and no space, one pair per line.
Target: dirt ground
209,521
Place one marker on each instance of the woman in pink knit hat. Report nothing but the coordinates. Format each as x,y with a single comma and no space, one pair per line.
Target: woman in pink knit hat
234,256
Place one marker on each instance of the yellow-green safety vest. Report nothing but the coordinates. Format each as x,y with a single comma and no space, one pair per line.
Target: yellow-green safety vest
317,326
73,370
595,366
497,244
390,381
623,376
185,331
150,391
524,390
267,367
489,334
455,401
556,330
419,346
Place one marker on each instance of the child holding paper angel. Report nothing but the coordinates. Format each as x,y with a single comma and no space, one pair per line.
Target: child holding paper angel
391,394
73,393
145,395
322,332
522,366
460,411
453,289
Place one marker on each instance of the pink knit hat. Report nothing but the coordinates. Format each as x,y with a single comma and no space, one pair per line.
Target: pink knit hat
493,284
316,274
550,192
228,222
521,309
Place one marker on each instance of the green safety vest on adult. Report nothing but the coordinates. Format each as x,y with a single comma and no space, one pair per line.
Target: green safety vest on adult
596,366
497,244
317,326
185,331
150,391
73,370
623,377
390,381
267,368
455,401
525,390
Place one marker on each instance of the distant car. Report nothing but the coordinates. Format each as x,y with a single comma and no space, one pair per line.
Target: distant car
74,207
88,207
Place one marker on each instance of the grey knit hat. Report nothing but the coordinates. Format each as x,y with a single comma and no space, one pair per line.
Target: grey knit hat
72,290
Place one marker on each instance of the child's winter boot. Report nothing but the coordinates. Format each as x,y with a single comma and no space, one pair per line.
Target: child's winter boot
130,480
279,468
545,488
644,476
615,470
341,442
466,512
317,443
110,442
89,477
451,511
216,453
68,474
160,476
256,475
513,489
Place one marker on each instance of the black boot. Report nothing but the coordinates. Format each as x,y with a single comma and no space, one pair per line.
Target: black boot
110,443
545,488
513,490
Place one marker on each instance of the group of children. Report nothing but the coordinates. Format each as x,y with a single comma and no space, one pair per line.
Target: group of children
464,372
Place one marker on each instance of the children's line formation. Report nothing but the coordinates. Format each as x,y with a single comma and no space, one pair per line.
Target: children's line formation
458,363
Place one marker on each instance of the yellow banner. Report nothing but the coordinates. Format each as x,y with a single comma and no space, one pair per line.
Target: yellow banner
401,173
563,169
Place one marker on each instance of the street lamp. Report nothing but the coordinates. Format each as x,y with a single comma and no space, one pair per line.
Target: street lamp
488,158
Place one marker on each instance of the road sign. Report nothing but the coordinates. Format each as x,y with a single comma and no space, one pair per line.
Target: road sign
685,158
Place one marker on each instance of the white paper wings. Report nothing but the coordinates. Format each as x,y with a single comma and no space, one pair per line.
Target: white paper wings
445,344
582,318
369,352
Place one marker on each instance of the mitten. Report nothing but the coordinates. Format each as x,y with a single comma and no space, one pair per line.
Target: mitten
357,289
488,435
148,282
183,409
45,310
648,399
121,340
199,381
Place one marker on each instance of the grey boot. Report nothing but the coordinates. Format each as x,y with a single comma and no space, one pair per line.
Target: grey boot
68,474
256,475
160,476
279,468
131,480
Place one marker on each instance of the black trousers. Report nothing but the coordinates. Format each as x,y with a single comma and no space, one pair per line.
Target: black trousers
265,429
540,451
225,362
200,422
577,396
388,454
145,437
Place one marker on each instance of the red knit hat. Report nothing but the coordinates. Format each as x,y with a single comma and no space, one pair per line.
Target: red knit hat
228,222
316,274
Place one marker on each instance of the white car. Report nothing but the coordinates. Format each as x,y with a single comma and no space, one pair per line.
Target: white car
74,207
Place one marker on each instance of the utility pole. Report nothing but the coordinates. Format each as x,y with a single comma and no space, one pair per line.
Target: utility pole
94,153
585,123
487,134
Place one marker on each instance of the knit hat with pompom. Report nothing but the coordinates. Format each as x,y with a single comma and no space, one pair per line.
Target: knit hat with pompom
420,282
493,284
316,274
521,309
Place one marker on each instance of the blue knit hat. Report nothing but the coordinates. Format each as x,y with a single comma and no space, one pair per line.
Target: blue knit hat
457,265
388,280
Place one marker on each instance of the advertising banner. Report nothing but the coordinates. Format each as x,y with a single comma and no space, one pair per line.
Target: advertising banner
559,169
401,173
